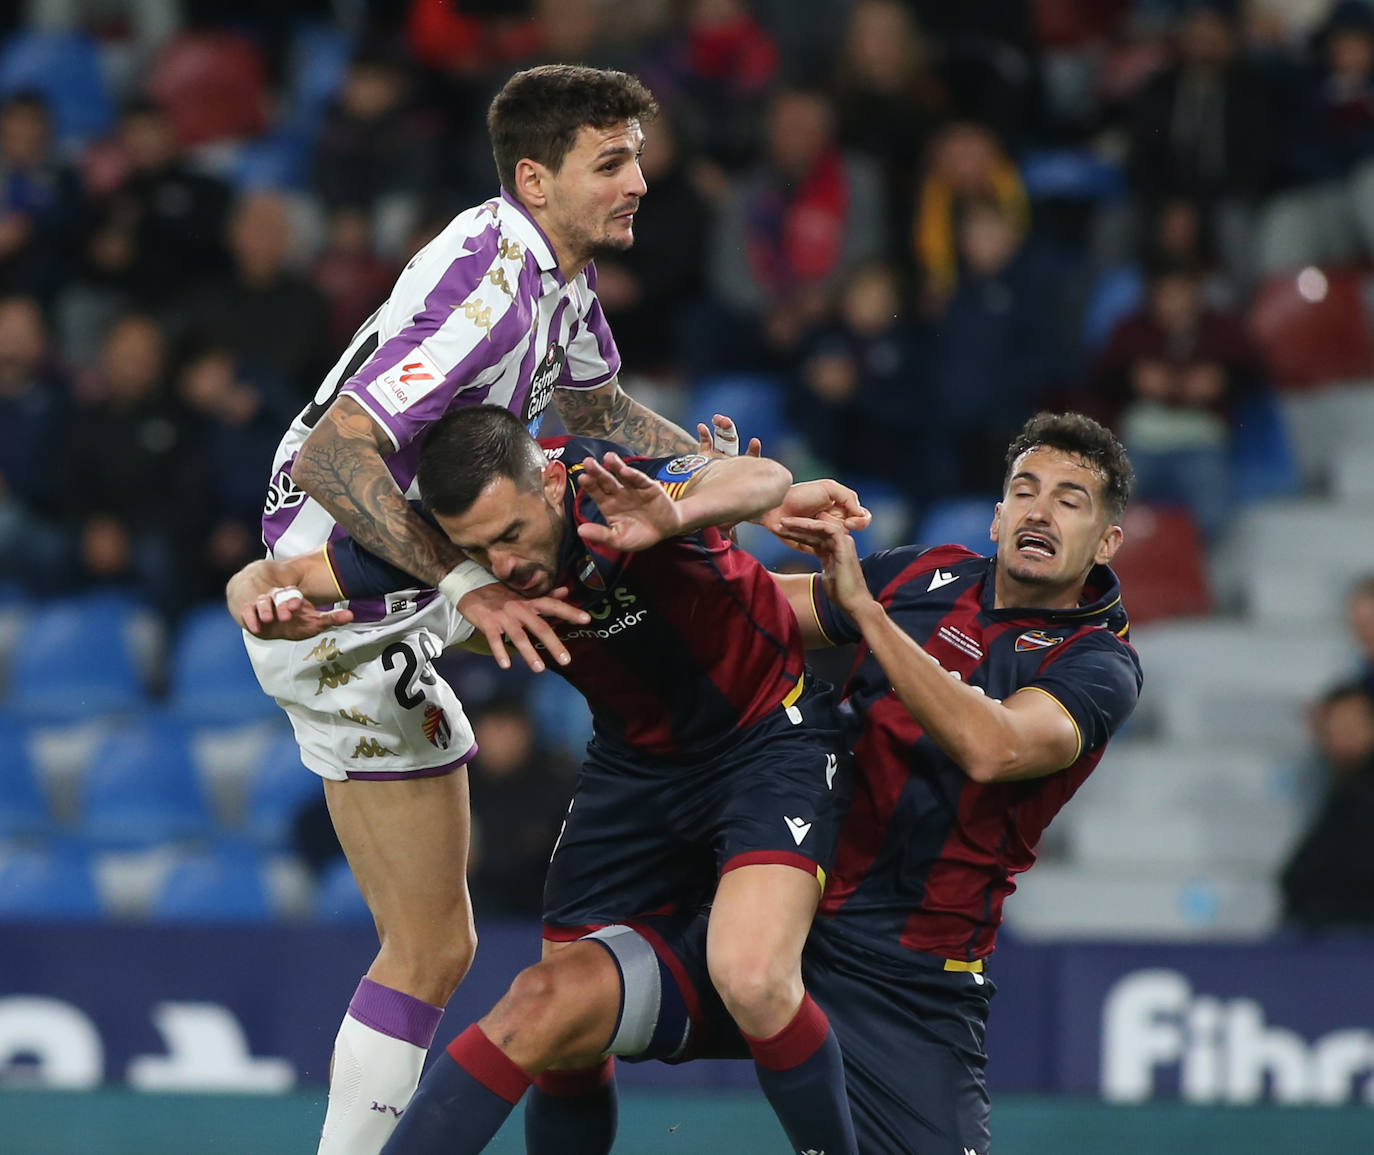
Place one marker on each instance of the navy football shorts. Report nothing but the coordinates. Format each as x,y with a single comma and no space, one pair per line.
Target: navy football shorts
651,835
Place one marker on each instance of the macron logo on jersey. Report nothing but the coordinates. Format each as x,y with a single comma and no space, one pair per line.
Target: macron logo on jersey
402,385
941,577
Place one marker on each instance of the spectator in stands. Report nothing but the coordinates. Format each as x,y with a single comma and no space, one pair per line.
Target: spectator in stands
1170,376
995,352
375,150
1201,129
33,411
864,391
967,162
350,274
520,790
162,225
38,200
645,290
1328,882
128,474
1359,613
789,229
272,317
888,99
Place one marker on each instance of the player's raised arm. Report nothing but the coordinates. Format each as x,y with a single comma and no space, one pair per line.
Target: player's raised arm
609,413
639,513
341,466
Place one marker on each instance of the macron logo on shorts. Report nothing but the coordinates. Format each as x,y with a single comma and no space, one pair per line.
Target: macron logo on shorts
799,827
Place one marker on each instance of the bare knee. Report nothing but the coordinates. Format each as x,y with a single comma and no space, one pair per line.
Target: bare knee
560,1011
428,963
761,993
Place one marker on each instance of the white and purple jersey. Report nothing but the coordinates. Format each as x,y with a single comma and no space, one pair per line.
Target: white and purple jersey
481,315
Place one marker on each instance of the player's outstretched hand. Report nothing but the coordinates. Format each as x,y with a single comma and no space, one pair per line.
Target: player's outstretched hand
823,500
721,439
502,616
638,511
831,542
283,613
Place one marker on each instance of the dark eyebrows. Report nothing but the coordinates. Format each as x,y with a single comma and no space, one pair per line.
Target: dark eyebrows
1027,475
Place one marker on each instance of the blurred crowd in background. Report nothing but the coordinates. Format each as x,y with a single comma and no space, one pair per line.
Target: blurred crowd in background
908,223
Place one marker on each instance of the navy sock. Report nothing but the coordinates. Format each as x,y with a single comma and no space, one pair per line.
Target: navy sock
572,1112
465,1096
801,1072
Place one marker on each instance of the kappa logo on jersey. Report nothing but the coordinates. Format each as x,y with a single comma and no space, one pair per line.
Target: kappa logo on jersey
799,827
402,385
1036,640
941,577
436,727
545,377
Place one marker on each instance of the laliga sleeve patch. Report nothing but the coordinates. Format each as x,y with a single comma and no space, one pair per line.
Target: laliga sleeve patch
681,468
413,377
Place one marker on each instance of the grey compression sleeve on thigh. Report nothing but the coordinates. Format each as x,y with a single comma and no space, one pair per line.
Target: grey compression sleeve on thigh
651,1025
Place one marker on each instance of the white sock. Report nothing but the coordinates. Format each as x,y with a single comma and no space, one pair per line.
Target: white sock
373,1077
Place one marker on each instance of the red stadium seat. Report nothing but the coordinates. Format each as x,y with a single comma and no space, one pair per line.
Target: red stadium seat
1313,327
213,85
1161,565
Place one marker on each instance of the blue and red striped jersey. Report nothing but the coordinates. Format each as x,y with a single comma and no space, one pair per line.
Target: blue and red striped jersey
927,856
690,641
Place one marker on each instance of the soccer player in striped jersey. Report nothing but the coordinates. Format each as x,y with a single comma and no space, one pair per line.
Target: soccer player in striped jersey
499,308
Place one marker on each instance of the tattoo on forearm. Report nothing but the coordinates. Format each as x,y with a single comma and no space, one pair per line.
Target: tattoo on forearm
616,416
341,467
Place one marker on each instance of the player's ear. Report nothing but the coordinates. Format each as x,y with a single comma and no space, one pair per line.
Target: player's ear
996,526
1110,543
530,180
555,483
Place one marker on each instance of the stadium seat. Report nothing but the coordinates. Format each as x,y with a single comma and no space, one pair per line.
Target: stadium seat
1161,565
278,791
320,56
337,897
211,679
46,885
221,885
74,658
142,788
561,717
959,521
24,808
213,85
755,403
1118,293
65,68
279,160
1313,327
1263,461
1070,174
891,512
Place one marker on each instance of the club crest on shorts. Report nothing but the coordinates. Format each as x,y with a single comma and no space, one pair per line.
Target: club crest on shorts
436,727
1036,640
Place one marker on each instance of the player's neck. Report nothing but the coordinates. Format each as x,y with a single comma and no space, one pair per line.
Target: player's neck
1009,593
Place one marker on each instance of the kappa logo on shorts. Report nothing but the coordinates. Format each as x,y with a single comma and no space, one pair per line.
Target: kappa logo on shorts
333,675
371,748
436,727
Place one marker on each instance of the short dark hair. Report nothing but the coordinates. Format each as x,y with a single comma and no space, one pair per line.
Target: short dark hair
539,112
1085,438
467,449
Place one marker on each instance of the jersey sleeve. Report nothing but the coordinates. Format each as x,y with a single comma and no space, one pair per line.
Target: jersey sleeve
592,357
833,621
462,329
1097,680
361,574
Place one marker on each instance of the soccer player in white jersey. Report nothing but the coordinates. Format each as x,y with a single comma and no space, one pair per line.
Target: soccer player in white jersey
500,308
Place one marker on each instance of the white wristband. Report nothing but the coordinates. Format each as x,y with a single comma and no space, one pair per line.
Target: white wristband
462,579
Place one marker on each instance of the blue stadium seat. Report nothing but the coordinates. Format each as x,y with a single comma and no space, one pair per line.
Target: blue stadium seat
1118,292
320,56
221,885
959,521
211,679
54,884
23,805
891,524
337,897
65,68
561,716
1264,463
279,790
1071,175
141,789
279,160
74,659
755,403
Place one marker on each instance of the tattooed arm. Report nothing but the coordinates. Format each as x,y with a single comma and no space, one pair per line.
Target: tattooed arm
340,466
609,412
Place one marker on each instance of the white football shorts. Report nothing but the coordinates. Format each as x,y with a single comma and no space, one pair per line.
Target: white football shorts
366,703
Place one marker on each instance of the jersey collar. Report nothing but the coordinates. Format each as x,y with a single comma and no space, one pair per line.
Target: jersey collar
1101,604
516,218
